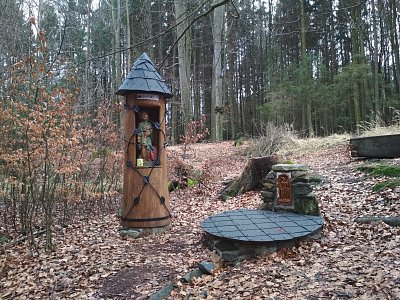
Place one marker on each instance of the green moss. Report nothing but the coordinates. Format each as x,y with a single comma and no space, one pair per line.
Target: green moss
4,239
290,162
307,205
172,186
104,152
386,184
192,182
381,170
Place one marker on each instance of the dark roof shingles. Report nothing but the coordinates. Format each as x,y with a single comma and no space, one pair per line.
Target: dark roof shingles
144,77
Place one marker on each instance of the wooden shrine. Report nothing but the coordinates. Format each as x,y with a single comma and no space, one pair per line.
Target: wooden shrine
145,202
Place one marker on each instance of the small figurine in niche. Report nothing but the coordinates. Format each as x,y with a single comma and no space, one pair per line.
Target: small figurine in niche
145,131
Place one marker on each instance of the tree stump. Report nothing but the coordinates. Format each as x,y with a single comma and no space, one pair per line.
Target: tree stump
252,176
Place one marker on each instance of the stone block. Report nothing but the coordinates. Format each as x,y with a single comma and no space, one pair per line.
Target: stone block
267,206
315,179
140,232
300,176
268,196
289,167
164,293
225,246
230,256
188,277
270,176
307,205
207,267
269,185
301,189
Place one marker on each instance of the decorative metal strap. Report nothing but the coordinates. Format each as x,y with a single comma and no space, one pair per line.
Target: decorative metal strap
146,179
145,219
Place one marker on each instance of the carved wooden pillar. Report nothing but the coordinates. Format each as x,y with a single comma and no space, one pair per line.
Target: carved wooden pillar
145,202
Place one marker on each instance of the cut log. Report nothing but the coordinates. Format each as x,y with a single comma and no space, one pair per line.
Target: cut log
252,176
391,221
382,146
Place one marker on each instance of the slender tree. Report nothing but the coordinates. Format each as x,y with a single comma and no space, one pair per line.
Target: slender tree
184,58
217,94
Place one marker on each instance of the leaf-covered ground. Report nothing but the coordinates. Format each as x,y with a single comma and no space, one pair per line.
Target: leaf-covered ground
349,261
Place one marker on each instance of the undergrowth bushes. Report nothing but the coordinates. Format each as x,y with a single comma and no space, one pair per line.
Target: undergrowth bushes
56,162
55,167
181,173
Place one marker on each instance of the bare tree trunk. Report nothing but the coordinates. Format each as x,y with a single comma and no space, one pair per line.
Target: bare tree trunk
174,112
376,62
116,16
357,56
87,64
128,38
308,111
394,39
184,58
196,87
230,82
217,94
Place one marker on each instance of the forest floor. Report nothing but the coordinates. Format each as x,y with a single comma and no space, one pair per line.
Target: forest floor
349,261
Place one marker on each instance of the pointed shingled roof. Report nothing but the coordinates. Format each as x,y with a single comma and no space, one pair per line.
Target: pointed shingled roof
144,77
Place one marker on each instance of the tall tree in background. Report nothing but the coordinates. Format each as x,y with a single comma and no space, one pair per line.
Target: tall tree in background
184,58
87,79
128,38
230,75
217,93
377,106
116,17
307,70
357,59
394,40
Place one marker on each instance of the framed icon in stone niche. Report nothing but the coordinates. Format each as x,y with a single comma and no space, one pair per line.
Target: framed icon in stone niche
284,189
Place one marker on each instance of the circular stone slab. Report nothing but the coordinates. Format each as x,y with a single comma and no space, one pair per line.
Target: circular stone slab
252,225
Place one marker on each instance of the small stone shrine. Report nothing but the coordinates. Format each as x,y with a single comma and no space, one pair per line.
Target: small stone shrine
288,188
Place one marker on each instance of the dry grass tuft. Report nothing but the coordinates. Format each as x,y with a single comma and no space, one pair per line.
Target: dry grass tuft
271,139
283,140
378,127
382,130
308,145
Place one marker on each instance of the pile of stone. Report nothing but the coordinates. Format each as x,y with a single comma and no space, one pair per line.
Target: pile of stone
288,187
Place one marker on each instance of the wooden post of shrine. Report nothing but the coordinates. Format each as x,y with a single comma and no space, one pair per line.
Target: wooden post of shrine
145,202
